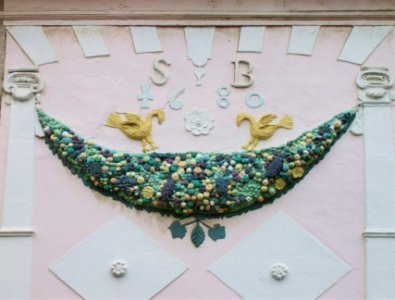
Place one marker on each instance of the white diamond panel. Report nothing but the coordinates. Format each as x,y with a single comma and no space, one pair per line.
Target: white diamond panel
311,267
87,268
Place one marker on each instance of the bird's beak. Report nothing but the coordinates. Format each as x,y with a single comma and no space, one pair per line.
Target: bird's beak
238,120
161,118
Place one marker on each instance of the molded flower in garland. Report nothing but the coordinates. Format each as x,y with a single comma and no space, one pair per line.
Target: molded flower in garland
199,122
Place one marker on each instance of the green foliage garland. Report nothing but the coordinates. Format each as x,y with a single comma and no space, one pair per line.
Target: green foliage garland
202,185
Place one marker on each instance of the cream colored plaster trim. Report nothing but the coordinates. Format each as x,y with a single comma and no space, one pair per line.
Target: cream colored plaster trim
196,18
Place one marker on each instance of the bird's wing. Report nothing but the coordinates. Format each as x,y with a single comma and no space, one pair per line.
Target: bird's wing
133,119
266,119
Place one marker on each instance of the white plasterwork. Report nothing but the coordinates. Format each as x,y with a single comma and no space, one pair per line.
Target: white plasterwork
308,267
279,271
380,268
16,232
34,43
119,268
374,95
21,87
158,64
379,233
174,103
199,123
362,41
199,41
302,39
15,267
251,38
88,267
145,39
91,41
357,124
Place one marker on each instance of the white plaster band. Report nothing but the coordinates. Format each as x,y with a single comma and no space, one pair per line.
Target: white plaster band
27,69
379,233
375,104
16,232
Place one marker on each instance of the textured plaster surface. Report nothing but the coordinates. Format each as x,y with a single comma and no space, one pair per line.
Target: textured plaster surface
81,92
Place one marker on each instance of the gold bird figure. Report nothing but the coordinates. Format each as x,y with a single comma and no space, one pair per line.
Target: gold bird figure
134,127
262,130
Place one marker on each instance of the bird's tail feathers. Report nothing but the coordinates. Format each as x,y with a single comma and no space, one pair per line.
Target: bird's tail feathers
114,120
286,122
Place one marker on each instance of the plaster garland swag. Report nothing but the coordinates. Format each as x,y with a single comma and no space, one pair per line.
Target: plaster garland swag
194,184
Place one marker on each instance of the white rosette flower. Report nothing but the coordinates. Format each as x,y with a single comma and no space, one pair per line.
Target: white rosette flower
118,268
279,271
199,123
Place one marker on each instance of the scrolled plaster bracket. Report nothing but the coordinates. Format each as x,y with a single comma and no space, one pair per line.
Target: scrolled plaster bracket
23,84
374,86
374,89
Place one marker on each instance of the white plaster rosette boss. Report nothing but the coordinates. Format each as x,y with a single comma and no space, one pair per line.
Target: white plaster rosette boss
199,123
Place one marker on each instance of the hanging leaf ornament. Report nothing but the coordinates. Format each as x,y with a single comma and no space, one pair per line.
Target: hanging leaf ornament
217,232
197,235
177,230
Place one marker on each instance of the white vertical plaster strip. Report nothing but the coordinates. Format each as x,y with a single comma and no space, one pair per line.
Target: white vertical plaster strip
21,86
374,95
362,41
379,167
380,268
302,39
199,41
15,267
145,39
91,41
251,38
34,43
380,202
19,181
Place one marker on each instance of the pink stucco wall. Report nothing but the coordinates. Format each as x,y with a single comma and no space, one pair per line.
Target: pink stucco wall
81,92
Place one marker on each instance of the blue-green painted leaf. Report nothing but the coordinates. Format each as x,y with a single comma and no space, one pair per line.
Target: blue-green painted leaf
217,232
177,230
197,235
